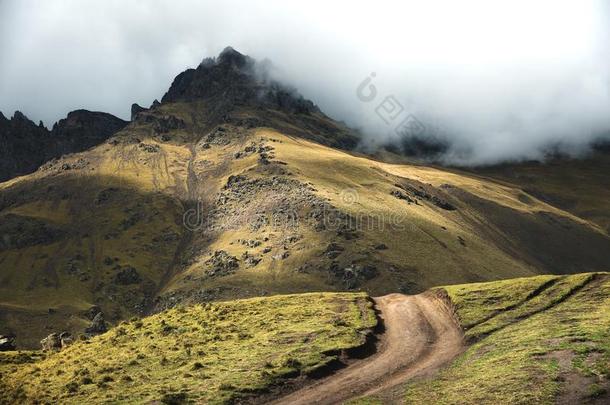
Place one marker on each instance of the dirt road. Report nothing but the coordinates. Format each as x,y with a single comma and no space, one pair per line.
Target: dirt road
421,335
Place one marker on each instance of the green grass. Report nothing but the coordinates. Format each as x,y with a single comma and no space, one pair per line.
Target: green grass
526,354
213,353
364,401
477,302
496,305
529,339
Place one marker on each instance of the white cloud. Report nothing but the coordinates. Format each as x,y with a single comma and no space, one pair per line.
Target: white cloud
502,79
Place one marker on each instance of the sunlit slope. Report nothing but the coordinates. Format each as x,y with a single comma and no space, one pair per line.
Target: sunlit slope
176,208
492,231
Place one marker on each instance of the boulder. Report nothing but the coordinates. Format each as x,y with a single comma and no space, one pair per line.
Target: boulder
98,325
91,312
57,341
221,263
127,276
150,148
252,261
353,275
333,250
65,339
7,343
401,196
51,342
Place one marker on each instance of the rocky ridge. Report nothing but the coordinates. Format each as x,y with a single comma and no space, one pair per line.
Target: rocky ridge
25,146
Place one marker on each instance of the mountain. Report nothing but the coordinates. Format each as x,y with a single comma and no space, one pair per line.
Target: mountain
234,88
25,146
235,186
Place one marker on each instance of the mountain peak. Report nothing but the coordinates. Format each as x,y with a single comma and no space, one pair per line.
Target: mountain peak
233,79
19,116
232,57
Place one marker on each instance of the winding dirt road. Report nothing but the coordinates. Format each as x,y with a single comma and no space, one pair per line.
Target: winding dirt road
421,335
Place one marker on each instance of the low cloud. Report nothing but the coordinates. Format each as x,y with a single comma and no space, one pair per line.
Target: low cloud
490,81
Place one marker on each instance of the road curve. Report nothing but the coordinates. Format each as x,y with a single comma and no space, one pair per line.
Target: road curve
421,335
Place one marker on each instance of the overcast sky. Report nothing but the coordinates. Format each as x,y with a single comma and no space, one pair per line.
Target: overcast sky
501,79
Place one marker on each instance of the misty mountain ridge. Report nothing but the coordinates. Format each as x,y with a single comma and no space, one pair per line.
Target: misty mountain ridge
232,82
236,79
227,85
435,146
235,88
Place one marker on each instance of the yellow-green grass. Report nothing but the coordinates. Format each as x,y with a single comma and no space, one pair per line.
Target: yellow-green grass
365,401
477,302
422,240
213,353
552,343
44,285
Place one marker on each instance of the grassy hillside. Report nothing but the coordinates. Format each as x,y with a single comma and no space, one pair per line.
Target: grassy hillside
268,212
211,353
539,340
346,206
536,340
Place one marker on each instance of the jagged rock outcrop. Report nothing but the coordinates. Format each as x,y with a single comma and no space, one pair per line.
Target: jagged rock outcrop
239,90
160,123
56,341
51,343
83,129
65,339
98,325
25,146
239,80
92,312
135,110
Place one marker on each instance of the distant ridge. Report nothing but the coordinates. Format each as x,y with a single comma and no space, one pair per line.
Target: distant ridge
25,146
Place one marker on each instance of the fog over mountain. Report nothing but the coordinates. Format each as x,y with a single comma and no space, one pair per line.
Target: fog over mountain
489,81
